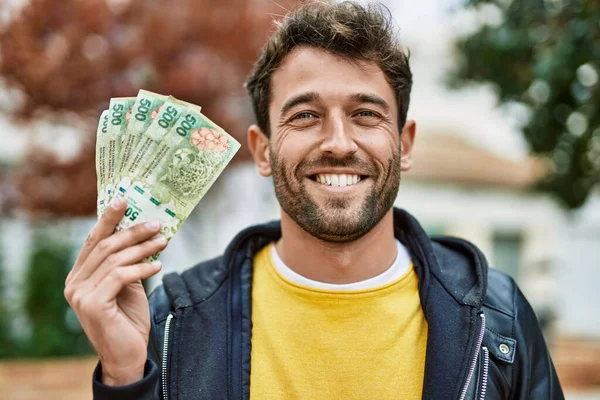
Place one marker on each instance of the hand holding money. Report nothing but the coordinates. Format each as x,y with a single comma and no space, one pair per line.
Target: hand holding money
156,157
105,291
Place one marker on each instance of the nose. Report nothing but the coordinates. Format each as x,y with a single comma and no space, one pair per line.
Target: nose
338,140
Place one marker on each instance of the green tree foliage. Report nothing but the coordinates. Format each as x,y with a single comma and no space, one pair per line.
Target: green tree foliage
55,329
6,345
545,54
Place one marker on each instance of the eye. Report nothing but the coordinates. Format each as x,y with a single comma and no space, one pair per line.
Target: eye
304,115
304,119
366,113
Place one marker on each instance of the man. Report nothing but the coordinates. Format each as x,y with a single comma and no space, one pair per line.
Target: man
346,297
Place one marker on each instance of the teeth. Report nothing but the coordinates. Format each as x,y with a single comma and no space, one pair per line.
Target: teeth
339,180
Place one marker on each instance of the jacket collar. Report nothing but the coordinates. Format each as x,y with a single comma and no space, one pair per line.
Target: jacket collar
457,264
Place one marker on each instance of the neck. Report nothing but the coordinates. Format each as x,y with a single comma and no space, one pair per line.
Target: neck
337,263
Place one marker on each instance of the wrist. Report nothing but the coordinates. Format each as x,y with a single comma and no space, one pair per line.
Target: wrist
116,375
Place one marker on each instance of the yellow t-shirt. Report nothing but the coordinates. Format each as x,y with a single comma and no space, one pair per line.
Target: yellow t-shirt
318,344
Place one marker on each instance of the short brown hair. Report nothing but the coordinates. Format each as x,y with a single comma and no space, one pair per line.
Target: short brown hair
348,30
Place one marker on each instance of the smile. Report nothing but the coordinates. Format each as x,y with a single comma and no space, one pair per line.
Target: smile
337,180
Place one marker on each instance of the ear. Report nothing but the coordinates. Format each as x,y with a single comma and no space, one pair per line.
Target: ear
408,140
258,143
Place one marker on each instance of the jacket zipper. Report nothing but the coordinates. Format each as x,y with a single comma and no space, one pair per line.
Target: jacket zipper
165,384
474,361
486,360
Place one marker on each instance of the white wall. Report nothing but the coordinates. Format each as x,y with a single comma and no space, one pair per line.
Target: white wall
568,242
578,272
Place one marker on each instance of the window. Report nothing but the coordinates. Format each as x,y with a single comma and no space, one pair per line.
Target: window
507,249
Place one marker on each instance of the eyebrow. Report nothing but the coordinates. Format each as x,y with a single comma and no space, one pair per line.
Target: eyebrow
307,97
370,98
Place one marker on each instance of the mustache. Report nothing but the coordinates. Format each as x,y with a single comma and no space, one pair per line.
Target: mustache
351,162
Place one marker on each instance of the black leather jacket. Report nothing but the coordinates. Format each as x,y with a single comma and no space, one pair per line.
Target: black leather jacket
484,341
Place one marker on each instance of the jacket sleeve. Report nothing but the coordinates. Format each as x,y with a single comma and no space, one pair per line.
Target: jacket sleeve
144,389
149,387
535,377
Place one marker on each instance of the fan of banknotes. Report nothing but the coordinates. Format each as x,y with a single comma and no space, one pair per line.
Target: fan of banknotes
160,154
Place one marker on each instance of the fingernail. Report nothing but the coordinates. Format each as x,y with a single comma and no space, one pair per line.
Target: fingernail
117,203
156,263
152,225
160,240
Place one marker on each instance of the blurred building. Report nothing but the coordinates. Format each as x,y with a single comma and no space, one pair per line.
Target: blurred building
461,190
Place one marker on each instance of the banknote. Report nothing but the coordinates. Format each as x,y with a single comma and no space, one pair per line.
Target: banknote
119,109
141,208
186,162
143,154
145,108
101,149
191,156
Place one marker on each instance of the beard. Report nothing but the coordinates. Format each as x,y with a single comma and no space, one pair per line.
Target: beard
336,221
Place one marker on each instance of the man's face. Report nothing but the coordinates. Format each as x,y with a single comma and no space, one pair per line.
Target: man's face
335,144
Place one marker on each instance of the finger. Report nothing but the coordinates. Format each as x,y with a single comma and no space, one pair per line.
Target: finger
114,282
103,228
129,256
110,246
